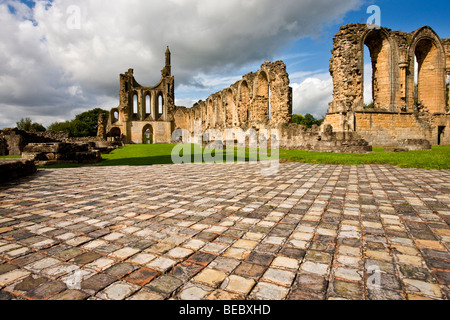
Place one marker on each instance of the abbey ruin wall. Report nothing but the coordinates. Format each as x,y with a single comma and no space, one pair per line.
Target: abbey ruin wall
410,73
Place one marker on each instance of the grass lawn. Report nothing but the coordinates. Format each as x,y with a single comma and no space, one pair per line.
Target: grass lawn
137,155
10,157
437,158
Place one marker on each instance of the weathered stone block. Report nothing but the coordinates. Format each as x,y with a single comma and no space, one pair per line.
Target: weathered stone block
15,168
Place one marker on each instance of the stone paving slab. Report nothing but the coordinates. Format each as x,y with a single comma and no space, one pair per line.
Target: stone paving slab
215,232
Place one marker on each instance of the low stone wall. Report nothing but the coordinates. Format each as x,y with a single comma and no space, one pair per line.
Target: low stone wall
296,136
415,144
52,153
14,141
3,147
17,140
11,169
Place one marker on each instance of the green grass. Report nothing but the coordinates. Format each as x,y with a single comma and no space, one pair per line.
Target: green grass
10,157
140,155
437,158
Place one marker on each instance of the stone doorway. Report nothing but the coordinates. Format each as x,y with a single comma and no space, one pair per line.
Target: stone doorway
147,135
441,131
115,134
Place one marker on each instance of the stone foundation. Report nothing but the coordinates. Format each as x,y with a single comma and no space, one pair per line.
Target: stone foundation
11,169
53,153
295,136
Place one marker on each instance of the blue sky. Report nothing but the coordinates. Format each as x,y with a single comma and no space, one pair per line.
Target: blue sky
51,72
405,16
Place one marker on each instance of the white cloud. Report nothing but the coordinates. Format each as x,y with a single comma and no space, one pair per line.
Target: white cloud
313,96
368,94
43,60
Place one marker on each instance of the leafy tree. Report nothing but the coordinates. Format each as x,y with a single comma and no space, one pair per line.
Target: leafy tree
308,120
84,124
298,118
61,126
27,124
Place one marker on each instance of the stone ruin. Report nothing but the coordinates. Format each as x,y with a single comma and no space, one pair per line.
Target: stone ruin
406,114
261,102
47,148
15,141
11,169
145,113
44,154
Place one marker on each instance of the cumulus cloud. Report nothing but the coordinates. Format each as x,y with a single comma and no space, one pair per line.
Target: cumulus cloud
313,95
51,68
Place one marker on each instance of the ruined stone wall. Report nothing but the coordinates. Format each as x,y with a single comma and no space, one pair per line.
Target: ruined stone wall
402,107
294,136
143,108
16,140
260,100
3,147
372,127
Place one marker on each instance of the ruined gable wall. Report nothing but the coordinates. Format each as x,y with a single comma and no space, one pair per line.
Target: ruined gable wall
396,114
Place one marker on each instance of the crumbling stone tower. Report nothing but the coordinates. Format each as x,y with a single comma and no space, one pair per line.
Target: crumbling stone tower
403,108
144,114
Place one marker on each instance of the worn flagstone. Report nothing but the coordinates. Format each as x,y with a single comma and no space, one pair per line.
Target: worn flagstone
225,231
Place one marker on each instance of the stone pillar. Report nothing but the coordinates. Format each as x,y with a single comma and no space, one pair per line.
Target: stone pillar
448,81
154,103
164,107
102,122
403,65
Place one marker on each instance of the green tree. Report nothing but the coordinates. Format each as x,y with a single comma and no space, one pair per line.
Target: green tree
308,120
84,124
61,126
298,118
27,124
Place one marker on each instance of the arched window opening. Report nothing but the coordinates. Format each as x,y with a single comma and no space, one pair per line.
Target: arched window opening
430,79
231,110
270,104
210,114
160,106
115,116
379,51
368,78
262,109
416,81
135,104
245,101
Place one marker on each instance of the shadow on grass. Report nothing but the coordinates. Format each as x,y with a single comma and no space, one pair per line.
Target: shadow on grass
156,160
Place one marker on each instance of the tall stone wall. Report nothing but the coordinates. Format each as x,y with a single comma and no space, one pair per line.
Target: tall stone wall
260,100
142,109
402,106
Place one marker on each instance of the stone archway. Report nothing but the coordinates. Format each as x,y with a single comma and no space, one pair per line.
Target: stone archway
147,134
115,134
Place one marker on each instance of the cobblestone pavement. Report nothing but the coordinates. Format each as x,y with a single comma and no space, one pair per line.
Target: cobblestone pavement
226,232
